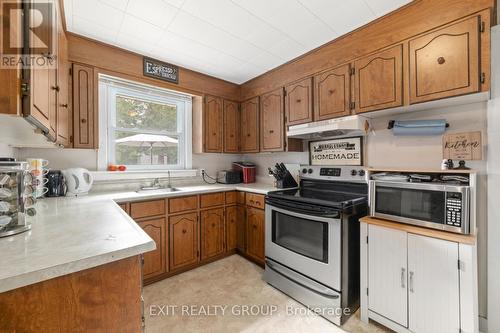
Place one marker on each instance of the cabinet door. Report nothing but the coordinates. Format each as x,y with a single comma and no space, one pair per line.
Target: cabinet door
241,228
387,273
445,63
212,233
433,285
184,244
155,262
379,80
255,233
231,228
63,109
42,97
250,126
272,121
213,124
299,102
231,127
84,135
332,93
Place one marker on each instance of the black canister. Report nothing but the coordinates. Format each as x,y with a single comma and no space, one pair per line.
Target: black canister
56,185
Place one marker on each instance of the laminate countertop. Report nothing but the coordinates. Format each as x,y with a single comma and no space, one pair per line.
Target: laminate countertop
71,234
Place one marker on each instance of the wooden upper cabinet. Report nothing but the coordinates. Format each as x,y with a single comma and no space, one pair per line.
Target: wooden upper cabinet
299,102
84,113
212,232
64,125
183,240
445,62
155,262
379,80
40,105
231,127
250,126
272,122
332,93
213,124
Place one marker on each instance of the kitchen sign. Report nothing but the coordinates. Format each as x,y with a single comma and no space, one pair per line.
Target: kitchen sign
346,151
463,146
161,70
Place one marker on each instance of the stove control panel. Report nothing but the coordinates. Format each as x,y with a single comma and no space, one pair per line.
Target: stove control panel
332,172
338,173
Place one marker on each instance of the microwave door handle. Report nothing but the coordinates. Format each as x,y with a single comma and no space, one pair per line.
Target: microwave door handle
302,282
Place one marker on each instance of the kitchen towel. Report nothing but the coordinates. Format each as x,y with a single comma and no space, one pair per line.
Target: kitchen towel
419,127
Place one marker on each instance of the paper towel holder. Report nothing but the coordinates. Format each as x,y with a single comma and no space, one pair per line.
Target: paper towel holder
390,125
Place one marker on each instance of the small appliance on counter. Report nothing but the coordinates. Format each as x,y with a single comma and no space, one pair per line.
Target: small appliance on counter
16,197
56,185
248,171
229,177
78,181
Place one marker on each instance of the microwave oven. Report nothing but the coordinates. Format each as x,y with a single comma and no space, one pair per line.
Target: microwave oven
432,205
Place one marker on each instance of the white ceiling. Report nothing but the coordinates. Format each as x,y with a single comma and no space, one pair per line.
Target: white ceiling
235,40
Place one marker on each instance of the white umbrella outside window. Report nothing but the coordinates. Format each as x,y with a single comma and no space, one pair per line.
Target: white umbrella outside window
140,140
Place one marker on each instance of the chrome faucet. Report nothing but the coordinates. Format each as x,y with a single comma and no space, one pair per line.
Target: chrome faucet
169,184
156,183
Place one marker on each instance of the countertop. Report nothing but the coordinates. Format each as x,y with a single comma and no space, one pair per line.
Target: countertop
70,234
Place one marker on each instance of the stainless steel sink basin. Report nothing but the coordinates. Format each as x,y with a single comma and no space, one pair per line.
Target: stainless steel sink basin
158,190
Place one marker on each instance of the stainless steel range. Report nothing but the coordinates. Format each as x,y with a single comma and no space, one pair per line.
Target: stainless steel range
312,239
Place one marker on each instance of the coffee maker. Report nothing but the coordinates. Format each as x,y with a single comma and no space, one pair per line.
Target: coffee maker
56,185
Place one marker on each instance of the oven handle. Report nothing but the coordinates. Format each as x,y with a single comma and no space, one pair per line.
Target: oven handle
294,277
307,216
289,209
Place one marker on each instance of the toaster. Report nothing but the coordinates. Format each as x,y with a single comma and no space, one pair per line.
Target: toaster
229,177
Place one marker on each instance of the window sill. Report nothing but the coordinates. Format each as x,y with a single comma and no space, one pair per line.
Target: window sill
100,176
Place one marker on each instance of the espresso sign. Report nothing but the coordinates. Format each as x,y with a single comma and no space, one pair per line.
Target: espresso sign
161,70
346,151
463,146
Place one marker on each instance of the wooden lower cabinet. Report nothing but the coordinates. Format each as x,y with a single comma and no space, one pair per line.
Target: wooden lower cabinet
232,228
212,233
105,298
241,228
255,233
155,262
183,240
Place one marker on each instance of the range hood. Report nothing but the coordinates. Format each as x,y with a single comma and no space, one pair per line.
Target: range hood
339,127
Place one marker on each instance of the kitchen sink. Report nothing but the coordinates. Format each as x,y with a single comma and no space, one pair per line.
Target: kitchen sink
158,190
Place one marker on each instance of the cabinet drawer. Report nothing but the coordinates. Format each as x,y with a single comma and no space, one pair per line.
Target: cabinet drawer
231,197
212,199
255,200
240,197
147,208
182,204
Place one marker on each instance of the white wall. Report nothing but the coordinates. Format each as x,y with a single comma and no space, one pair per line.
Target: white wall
6,151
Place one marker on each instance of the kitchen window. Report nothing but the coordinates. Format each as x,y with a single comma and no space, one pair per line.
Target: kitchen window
143,127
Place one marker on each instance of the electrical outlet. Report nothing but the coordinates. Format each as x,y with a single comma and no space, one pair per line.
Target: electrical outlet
202,171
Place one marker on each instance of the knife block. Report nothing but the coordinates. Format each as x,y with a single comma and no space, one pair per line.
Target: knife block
287,182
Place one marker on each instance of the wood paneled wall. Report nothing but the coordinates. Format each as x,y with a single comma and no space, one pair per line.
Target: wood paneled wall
126,64
415,18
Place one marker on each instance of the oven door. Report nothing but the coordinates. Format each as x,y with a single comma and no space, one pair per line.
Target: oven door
306,243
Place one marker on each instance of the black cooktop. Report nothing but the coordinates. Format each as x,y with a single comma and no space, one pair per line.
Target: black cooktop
330,198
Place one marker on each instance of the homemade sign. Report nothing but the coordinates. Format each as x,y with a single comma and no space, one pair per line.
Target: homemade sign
463,146
161,70
345,151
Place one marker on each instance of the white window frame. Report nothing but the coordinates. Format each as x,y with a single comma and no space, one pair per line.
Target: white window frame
110,88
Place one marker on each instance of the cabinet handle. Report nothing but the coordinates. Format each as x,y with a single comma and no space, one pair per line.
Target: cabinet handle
271,131
257,203
213,225
184,231
63,105
56,88
331,92
248,134
403,276
441,60
411,282
214,133
84,121
299,100
254,226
